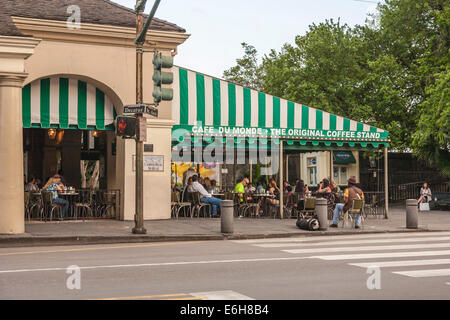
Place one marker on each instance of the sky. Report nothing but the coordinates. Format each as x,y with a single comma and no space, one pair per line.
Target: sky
218,27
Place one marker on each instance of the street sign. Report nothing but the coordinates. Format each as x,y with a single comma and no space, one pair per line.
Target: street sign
140,109
134,108
151,111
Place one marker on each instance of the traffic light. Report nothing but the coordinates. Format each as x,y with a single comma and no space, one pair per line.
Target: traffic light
126,126
161,77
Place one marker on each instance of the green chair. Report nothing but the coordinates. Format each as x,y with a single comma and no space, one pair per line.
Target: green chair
309,208
356,208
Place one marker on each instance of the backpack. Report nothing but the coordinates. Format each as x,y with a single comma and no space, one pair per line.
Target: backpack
310,224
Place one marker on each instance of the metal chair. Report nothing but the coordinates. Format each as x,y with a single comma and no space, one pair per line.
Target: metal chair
177,205
198,206
309,208
85,205
356,208
35,203
49,206
26,200
248,206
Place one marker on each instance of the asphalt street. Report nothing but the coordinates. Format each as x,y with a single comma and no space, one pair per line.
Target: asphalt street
368,266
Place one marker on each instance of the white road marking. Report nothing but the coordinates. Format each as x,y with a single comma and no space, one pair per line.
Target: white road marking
424,273
382,255
155,264
221,295
402,263
352,242
342,237
371,248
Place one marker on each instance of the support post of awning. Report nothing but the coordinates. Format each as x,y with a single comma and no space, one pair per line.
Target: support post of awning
287,168
251,171
386,181
331,165
281,180
234,168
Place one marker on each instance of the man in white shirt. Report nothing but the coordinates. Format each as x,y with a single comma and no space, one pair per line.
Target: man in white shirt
205,196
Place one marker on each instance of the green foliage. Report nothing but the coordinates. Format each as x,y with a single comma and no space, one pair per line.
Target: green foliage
392,73
247,72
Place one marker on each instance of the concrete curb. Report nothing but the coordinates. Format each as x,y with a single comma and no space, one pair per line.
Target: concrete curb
34,241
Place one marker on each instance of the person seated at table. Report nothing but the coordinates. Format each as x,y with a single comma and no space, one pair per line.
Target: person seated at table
214,187
205,196
287,187
54,185
240,188
250,188
275,191
32,185
325,191
259,187
352,192
207,184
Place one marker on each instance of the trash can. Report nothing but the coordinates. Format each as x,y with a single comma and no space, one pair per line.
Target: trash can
227,217
321,211
412,215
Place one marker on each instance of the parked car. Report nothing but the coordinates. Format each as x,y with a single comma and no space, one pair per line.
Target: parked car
440,200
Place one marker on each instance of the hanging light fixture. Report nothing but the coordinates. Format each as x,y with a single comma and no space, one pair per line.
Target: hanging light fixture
95,134
51,134
59,136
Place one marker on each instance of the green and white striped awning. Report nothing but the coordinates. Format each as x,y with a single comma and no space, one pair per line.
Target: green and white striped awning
67,104
212,107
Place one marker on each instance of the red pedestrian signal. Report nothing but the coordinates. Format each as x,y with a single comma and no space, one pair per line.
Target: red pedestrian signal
126,127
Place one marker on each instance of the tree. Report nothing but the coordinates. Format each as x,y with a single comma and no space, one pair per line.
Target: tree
247,71
392,73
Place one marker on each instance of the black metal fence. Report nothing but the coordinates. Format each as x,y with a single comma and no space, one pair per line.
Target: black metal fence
412,190
374,204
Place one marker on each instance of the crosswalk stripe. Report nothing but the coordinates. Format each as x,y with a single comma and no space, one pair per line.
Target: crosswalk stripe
371,248
382,255
424,273
404,263
353,242
343,237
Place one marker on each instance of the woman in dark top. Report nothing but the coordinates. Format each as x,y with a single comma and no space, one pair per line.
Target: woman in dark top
325,190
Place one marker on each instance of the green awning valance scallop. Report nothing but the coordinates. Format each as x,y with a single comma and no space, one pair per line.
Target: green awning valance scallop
67,104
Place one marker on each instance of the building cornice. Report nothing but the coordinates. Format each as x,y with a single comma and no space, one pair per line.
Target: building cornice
97,34
17,46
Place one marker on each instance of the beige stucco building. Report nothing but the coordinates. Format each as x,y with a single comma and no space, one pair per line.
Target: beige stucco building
42,48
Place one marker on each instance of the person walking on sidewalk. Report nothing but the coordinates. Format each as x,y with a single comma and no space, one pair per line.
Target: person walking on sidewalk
352,192
205,196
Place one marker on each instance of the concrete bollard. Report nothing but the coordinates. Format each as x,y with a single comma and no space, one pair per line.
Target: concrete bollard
227,217
412,214
321,211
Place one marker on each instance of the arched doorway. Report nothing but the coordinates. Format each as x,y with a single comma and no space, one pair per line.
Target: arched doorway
68,129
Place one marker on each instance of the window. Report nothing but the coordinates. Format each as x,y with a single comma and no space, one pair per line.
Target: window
340,174
312,170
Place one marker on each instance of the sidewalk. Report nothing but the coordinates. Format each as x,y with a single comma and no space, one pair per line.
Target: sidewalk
186,229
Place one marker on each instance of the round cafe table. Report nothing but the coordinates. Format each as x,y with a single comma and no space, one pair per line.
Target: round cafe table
264,196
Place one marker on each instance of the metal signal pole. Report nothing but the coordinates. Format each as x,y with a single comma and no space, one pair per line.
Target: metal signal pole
141,137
